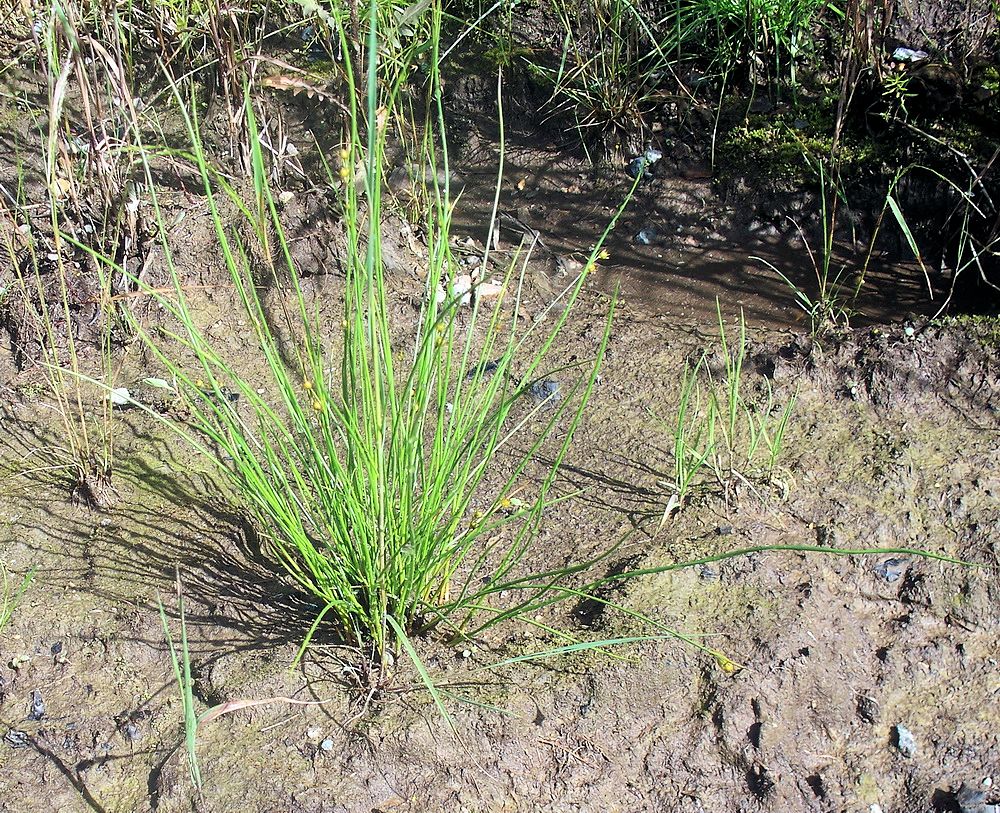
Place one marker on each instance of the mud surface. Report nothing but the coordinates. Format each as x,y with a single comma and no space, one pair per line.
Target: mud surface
862,683
867,682
678,246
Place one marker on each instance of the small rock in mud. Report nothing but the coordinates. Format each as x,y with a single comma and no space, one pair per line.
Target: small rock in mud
37,710
327,744
56,648
485,369
706,573
892,569
646,236
904,740
970,800
636,167
546,391
904,55
16,739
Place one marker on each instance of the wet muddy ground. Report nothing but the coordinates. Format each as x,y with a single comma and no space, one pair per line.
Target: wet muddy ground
867,683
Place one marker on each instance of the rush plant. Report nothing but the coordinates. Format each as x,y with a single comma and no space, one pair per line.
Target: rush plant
372,472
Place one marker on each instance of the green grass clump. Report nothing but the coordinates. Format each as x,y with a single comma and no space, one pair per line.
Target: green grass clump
720,434
372,473
763,41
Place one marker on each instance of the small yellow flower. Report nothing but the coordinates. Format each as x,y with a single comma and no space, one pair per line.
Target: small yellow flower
318,405
345,173
591,268
307,385
726,665
343,324
200,384
604,255
344,154
505,503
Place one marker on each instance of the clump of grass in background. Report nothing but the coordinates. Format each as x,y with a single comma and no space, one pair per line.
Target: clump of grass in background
372,476
720,435
621,59
614,70
72,308
758,42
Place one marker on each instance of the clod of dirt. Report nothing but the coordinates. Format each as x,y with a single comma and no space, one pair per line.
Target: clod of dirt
867,709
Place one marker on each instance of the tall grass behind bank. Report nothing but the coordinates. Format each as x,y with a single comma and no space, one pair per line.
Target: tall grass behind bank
622,61
371,475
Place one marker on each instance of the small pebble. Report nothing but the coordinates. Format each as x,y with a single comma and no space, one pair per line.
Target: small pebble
327,744
120,396
706,573
57,647
636,167
971,800
37,706
486,369
132,733
905,741
645,237
892,569
16,739
908,55
652,155
545,391
314,732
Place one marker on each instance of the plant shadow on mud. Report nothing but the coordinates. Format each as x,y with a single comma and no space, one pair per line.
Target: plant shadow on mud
169,517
